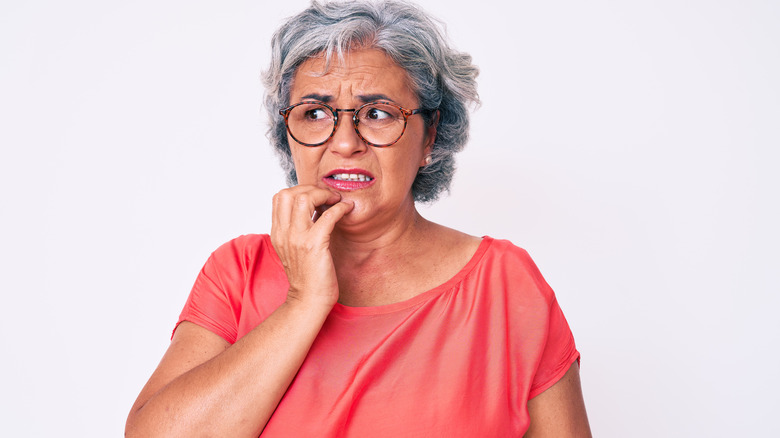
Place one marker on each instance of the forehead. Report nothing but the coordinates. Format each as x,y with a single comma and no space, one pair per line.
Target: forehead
363,72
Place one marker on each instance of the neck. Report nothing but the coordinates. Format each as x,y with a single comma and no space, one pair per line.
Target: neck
370,266
357,244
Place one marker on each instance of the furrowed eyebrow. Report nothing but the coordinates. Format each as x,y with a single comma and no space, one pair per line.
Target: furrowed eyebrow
319,97
366,98
363,98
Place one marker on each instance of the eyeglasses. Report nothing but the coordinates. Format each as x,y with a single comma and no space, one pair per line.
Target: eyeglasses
379,124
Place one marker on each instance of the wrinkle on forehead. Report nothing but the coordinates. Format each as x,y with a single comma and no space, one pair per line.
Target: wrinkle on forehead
371,73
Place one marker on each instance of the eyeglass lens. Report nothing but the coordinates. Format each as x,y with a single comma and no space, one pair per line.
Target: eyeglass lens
378,123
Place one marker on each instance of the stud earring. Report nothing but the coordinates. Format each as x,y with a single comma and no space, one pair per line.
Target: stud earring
428,160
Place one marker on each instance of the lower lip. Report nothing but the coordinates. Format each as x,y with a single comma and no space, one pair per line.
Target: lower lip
347,186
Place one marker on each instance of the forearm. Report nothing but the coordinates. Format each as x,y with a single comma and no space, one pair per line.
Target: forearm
234,393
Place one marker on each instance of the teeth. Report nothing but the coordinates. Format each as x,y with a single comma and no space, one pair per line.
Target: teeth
350,177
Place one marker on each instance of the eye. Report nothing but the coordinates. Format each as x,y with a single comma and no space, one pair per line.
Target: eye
316,113
375,113
380,115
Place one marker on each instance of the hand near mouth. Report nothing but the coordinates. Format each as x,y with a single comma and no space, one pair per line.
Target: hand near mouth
303,219
318,212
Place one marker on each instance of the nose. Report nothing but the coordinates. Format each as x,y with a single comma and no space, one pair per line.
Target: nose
345,140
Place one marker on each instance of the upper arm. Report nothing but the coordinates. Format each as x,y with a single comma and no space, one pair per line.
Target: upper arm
559,411
191,346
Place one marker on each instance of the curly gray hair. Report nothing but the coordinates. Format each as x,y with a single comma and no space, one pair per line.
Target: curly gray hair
442,77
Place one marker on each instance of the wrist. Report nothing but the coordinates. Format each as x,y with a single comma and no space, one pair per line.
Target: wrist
313,305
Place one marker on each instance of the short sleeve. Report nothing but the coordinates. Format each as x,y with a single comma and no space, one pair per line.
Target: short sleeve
559,351
211,303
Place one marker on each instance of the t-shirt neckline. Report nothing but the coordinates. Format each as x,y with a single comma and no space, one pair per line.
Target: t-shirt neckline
424,296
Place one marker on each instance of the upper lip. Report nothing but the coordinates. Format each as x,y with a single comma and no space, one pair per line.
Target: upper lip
355,171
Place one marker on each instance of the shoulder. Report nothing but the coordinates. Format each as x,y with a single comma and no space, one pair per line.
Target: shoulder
243,243
505,249
513,267
244,247
236,258
510,256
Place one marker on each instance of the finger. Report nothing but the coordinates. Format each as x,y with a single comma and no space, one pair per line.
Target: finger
280,213
305,206
318,212
323,197
284,201
327,221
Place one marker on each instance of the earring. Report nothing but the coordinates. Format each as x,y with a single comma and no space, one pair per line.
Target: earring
428,160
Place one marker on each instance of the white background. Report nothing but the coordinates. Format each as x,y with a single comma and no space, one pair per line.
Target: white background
630,146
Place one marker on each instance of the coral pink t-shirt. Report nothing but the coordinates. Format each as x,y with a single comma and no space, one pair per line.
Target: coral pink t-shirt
460,360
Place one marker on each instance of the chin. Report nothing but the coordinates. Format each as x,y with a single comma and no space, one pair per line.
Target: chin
358,215
357,211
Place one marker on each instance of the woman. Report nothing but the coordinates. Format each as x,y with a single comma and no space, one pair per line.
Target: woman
356,316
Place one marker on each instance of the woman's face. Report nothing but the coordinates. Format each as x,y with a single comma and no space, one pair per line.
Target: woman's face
388,172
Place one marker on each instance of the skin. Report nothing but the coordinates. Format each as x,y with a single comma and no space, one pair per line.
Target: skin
366,247
560,411
375,245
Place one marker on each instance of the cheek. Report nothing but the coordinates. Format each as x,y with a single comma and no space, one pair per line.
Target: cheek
303,164
406,170
413,160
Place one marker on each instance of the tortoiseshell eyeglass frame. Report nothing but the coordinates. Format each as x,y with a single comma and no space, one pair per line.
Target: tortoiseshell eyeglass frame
355,122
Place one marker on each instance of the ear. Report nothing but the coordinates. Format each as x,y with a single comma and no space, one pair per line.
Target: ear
430,136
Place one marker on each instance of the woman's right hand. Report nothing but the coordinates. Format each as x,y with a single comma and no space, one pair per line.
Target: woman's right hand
303,219
203,385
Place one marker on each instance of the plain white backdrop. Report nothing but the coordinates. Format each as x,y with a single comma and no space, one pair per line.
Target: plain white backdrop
631,147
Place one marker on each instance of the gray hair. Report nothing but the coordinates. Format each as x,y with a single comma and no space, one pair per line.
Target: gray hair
442,77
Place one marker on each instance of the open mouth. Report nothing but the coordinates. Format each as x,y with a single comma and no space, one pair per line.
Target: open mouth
350,177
